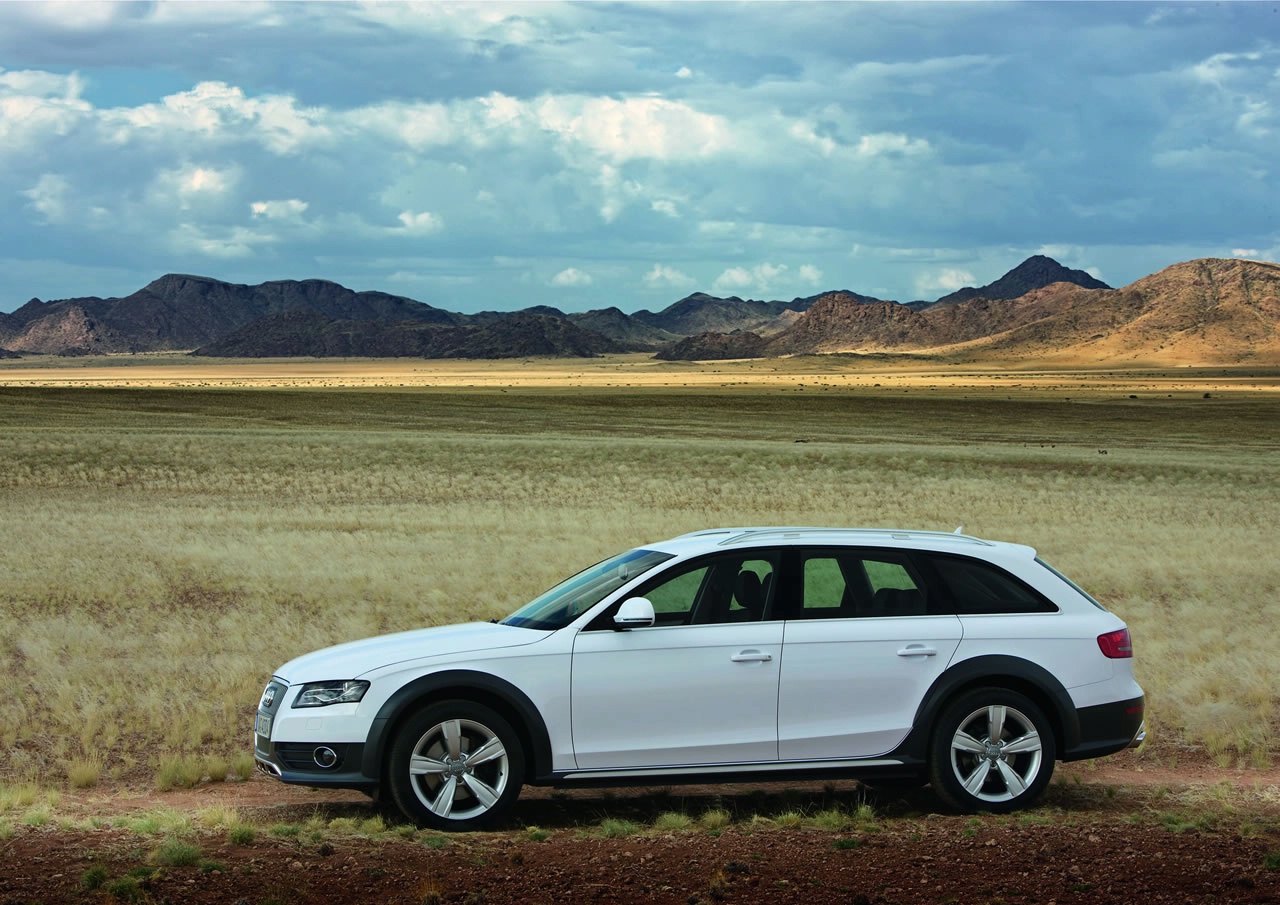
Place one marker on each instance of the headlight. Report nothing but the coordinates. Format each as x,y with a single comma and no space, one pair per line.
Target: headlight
322,694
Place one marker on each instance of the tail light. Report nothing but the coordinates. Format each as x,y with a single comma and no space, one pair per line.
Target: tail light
1116,645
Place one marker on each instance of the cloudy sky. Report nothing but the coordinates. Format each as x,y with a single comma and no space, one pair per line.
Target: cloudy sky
495,156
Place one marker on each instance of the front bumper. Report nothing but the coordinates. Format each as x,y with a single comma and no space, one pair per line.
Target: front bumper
310,764
314,762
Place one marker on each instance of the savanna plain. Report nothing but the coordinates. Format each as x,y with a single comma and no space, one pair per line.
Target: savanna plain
171,530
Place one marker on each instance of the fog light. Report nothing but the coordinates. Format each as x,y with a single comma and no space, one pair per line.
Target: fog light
325,758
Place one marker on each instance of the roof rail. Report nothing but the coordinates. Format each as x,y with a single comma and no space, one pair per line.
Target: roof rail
753,535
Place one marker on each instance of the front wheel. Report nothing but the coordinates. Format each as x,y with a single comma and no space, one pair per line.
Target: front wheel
456,765
992,750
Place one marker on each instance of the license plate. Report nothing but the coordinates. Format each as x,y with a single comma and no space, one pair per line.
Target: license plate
262,725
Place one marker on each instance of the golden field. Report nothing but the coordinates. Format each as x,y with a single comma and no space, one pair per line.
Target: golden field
175,528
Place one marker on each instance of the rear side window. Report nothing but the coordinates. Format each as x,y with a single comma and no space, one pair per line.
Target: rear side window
844,584
980,588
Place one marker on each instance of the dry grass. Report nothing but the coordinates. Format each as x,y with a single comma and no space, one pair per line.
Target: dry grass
164,550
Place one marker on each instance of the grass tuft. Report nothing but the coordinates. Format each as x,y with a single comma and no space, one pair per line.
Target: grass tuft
84,773
618,827
672,821
176,853
94,877
715,819
179,772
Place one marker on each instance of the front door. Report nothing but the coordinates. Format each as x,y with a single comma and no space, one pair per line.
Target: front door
699,687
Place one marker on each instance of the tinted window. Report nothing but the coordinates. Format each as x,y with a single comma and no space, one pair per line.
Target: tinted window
840,584
735,588
978,587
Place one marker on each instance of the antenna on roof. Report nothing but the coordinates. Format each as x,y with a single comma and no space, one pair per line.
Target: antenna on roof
959,530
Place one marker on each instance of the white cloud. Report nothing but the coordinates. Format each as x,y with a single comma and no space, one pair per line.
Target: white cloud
37,83
805,133
684,72
420,223
665,207
290,209
891,143
87,16
1060,253
50,198
616,192
481,25
220,111
947,280
1248,253
235,242
191,186
418,126
571,277
760,278
30,122
810,274
638,127
662,277
1222,68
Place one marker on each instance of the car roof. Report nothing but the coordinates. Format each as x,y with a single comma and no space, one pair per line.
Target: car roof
712,539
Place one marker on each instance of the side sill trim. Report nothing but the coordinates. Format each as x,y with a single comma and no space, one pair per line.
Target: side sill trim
715,769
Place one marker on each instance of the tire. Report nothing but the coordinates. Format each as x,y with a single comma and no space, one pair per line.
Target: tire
456,765
971,771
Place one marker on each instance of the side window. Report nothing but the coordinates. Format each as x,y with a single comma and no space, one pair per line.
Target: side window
980,587
826,593
705,592
894,591
673,599
851,584
751,585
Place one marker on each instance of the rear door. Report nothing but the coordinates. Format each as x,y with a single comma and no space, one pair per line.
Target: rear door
864,640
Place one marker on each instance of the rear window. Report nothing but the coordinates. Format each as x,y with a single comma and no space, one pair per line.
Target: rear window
980,588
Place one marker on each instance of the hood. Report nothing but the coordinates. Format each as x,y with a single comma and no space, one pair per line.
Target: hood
353,659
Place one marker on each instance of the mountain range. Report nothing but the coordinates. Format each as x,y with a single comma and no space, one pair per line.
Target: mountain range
1208,311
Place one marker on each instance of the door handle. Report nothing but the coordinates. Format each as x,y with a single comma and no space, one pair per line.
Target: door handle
918,650
751,656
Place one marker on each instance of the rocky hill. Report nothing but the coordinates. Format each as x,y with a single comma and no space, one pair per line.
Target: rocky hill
182,312
1210,311
702,313
307,333
1206,312
1035,272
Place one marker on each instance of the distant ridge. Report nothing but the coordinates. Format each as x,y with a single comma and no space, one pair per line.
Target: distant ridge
1035,272
1209,311
302,333
1206,312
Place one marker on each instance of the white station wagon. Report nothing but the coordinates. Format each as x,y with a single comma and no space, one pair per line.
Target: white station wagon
731,654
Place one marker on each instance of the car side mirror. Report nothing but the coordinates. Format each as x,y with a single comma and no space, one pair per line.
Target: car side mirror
635,612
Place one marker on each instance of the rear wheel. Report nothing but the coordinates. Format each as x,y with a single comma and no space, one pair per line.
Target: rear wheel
992,750
456,765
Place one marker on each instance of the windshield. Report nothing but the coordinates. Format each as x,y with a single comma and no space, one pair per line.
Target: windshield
573,597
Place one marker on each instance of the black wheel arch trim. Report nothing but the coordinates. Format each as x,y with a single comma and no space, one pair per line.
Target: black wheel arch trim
483,688
1002,671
